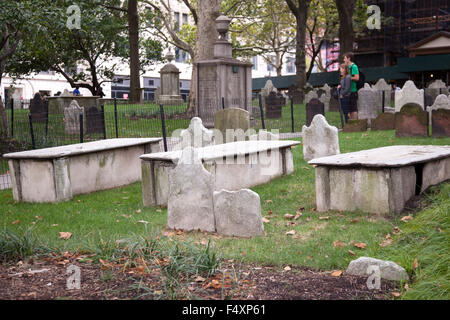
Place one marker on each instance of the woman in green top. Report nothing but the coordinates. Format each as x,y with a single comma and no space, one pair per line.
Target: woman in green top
354,74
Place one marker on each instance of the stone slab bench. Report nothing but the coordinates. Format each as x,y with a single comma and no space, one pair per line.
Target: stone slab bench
58,173
234,166
378,180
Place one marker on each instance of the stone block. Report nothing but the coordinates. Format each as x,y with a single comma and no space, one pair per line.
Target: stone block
435,172
320,139
440,121
385,121
411,121
388,270
356,125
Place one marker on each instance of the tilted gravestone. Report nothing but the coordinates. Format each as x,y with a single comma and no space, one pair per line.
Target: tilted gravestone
38,109
234,120
94,121
320,139
411,121
274,105
440,116
385,121
238,213
353,125
72,117
313,108
190,203
409,94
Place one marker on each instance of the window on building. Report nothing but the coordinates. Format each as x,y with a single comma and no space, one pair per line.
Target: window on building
181,56
270,67
185,18
290,65
177,21
255,63
151,83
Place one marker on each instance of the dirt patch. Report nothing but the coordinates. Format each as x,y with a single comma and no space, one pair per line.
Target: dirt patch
247,282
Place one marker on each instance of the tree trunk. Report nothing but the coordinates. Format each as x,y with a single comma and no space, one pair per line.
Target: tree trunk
3,114
133,29
346,31
300,56
208,11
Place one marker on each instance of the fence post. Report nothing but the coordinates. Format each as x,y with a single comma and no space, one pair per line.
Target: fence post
223,103
104,122
115,117
81,128
384,100
261,111
33,142
12,117
292,115
163,124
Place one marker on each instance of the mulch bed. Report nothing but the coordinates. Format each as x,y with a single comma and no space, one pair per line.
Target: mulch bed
246,282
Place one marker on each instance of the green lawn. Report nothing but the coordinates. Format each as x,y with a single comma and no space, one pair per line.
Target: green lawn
108,216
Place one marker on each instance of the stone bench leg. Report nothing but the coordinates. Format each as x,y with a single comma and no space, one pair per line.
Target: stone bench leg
155,182
63,186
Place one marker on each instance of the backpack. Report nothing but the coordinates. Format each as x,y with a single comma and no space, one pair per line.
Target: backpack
362,79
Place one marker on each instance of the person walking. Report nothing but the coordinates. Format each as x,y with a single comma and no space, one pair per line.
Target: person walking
344,90
354,75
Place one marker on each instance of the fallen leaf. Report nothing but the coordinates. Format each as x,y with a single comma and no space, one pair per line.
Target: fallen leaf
143,221
306,168
360,245
396,294
265,220
138,211
289,216
415,264
168,234
337,243
65,235
336,273
388,236
385,243
355,221
308,219
290,224
406,218
351,252
158,210
200,279
54,225
290,233
38,217
269,212
15,222
324,218
269,201
287,268
302,209
298,215
179,232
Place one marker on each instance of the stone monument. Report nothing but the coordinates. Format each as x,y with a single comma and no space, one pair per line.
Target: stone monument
222,77
411,121
234,120
274,104
381,86
72,117
440,116
170,84
314,107
38,109
320,139
409,94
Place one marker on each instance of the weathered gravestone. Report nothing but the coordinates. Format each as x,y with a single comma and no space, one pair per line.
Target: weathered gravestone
38,109
233,124
320,92
311,95
411,121
94,121
385,121
190,203
196,135
368,103
313,108
440,116
274,104
320,139
382,86
72,117
238,213
434,89
409,94
265,92
353,125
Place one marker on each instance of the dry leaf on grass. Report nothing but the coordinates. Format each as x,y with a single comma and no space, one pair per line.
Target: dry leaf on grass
324,218
290,233
265,220
65,235
396,294
289,216
415,264
269,201
336,273
351,252
16,222
287,268
360,245
337,243
406,218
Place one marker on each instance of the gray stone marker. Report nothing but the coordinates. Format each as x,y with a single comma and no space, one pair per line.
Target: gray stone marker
311,95
368,103
190,203
265,92
411,121
274,104
409,94
196,135
379,180
238,213
38,109
320,139
170,84
388,270
440,116
314,107
94,121
72,117
234,120
381,86
434,89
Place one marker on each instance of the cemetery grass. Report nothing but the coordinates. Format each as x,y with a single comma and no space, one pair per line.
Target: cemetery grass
314,243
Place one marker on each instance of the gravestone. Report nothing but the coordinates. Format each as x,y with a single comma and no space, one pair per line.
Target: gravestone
320,92
353,125
38,109
274,104
313,108
94,121
296,94
190,203
434,89
439,116
311,95
381,86
234,120
72,117
238,213
266,91
66,94
368,103
196,135
385,121
334,102
411,121
170,84
308,88
325,100
320,139
409,94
